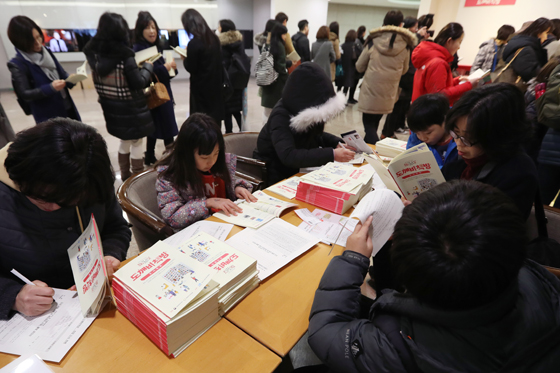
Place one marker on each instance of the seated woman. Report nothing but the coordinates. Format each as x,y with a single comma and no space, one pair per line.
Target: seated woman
52,177
489,127
294,135
197,177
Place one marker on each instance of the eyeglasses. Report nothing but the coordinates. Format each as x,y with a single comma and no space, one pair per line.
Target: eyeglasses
463,140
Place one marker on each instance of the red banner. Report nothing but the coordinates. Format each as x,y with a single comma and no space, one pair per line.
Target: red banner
488,2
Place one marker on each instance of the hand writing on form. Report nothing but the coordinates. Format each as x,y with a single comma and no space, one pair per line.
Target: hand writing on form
34,300
359,241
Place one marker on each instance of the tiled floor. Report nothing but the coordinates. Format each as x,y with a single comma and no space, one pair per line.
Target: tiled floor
91,113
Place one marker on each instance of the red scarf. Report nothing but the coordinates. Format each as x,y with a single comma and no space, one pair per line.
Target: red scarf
474,166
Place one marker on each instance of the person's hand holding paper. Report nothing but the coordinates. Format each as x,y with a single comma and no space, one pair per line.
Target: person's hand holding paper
360,240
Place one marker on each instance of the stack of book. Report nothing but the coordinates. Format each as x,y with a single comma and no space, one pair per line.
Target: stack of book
175,294
335,187
390,147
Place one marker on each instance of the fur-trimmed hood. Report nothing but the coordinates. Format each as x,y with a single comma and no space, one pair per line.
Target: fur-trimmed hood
230,37
319,114
259,39
384,42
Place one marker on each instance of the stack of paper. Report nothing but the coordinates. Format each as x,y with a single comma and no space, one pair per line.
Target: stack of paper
335,187
328,227
390,147
286,188
236,273
256,214
167,295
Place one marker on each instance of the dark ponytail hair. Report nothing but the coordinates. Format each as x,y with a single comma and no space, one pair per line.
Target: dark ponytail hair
538,26
276,39
142,23
194,24
452,30
200,132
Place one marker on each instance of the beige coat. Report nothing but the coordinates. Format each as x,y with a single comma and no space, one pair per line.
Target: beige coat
383,68
336,45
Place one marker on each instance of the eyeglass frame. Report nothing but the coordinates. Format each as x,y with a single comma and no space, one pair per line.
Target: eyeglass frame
466,142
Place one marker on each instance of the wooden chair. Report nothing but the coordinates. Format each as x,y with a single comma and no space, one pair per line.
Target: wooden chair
242,145
553,228
138,198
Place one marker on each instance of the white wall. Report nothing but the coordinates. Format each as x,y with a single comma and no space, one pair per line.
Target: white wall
314,11
482,22
239,11
353,16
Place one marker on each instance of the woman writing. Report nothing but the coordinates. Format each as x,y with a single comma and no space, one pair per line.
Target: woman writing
146,35
37,77
120,85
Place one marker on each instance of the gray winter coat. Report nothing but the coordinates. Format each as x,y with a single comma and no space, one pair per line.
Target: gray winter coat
322,53
483,339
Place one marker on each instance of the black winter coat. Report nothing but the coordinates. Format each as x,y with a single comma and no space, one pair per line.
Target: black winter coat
517,177
286,151
35,242
163,115
482,339
120,85
350,54
301,45
530,60
232,42
204,63
550,148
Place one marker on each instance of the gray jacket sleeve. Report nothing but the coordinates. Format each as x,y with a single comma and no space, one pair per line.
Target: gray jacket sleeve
341,340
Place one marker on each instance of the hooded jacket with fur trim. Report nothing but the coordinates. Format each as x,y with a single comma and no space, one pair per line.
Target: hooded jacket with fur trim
384,60
433,73
294,135
232,43
36,242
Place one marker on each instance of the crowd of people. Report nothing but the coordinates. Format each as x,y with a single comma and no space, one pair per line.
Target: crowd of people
462,295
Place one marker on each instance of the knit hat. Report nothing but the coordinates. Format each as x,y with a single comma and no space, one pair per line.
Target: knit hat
310,97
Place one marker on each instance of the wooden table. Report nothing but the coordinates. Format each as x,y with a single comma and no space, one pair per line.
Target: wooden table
114,344
276,313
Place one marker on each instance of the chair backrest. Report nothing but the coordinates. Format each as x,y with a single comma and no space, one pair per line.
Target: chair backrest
242,143
553,223
138,198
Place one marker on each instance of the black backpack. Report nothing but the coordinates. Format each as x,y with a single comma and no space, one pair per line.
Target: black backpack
239,71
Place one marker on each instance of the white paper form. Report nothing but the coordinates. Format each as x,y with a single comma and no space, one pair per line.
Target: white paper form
307,216
273,245
217,230
332,227
286,188
386,208
50,335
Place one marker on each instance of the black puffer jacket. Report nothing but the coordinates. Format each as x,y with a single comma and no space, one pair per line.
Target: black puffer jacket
120,85
232,43
483,339
35,242
301,45
550,148
530,60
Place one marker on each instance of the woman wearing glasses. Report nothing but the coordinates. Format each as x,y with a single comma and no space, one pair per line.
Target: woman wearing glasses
489,127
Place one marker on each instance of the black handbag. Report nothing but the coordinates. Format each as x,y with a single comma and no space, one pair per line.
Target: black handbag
543,250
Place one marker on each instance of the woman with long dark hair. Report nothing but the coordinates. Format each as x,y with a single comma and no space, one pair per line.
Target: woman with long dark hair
272,93
120,84
204,63
146,35
335,40
260,39
37,77
349,57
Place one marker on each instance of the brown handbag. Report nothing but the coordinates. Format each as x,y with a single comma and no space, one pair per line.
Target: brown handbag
157,94
507,75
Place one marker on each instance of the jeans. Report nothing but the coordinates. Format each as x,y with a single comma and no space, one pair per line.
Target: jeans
549,183
371,123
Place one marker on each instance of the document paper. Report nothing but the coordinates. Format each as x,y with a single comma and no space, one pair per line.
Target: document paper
219,231
273,245
50,335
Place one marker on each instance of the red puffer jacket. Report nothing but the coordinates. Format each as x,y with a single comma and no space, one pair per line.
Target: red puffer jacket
434,74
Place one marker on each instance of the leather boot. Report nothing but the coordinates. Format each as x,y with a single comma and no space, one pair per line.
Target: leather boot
124,165
137,165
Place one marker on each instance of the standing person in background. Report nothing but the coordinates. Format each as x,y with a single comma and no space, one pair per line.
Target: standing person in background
301,42
272,93
360,40
431,59
37,77
261,39
384,61
396,119
553,47
231,41
491,51
532,56
322,52
333,37
204,63
120,84
350,55
146,35
291,54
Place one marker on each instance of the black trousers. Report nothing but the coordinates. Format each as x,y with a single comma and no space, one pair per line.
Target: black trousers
549,183
352,91
228,122
397,118
371,123
151,144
